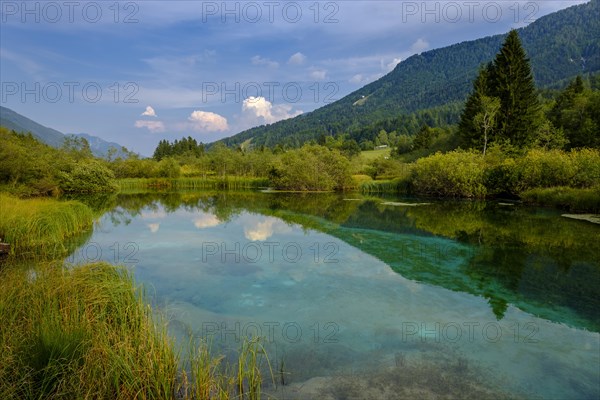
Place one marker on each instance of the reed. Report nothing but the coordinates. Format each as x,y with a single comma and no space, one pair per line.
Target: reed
566,198
222,183
88,332
41,227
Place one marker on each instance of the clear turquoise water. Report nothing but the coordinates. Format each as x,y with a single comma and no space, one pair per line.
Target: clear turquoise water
349,287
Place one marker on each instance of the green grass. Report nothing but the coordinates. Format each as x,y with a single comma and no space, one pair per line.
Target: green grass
41,227
370,155
88,332
396,186
228,183
566,198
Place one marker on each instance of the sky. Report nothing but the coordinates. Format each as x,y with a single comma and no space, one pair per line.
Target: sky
137,72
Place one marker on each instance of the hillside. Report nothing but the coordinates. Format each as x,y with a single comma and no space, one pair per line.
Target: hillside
19,123
560,46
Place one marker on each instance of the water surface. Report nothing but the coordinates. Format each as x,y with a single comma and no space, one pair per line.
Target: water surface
365,297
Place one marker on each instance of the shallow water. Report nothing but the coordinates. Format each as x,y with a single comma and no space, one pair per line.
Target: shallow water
491,295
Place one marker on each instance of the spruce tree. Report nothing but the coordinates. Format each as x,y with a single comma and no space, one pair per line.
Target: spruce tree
469,132
511,80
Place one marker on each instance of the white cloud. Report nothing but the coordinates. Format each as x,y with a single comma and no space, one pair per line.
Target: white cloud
318,74
206,221
297,59
207,121
262,110
419,46
356,79
152,126
392,64
154,227
265,229
258,60
149,112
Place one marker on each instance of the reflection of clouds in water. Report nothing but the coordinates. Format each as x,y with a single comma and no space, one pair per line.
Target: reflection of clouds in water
153,214
206,221
153,227
260,231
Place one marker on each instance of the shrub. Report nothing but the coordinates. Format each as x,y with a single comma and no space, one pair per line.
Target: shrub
539,168
311,168
455,174
89,176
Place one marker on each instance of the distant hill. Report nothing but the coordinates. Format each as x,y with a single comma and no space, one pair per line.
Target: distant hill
19,123
560,46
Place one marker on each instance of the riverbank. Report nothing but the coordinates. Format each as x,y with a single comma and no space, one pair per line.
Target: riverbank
87,331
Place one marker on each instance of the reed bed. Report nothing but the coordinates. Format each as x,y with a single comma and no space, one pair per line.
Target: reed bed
227,183
384,186
41,227
87,332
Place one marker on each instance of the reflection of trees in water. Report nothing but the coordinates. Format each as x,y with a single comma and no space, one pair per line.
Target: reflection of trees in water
522,256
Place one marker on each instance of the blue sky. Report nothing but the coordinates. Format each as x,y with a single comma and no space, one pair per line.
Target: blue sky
136,72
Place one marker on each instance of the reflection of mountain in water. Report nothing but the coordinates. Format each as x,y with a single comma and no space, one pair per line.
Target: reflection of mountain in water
537,261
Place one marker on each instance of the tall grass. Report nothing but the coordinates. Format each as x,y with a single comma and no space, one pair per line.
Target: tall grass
228,182
566,198
41,227
87,332
401,185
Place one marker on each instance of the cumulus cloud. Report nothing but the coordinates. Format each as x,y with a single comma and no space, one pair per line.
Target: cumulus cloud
419,46
154,227
207,121
357,79
390,65
152,126
297,59
206,221
149,112
318,74
258,60
264,230
259,108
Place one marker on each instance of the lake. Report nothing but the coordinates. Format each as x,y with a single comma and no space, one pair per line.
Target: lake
366,297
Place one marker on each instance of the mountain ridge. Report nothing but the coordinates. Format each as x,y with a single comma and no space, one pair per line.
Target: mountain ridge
19,123
442,76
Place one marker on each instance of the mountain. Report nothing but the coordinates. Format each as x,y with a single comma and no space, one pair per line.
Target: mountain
19,123
560,46
100,147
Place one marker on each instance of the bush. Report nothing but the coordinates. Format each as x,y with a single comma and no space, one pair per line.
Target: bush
311,168
88,177
455,174
539,168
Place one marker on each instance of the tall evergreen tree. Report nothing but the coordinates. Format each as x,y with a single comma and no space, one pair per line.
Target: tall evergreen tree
511,80
469,132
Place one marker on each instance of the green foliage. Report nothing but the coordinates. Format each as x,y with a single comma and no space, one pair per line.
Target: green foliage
312,168
571,199
577,112
511,80
88,177
561,45
544,169
455,174
504,100
185,147
41,227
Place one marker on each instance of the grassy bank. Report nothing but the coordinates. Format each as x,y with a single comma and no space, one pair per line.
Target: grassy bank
228,183
41,227
566,198
88,332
